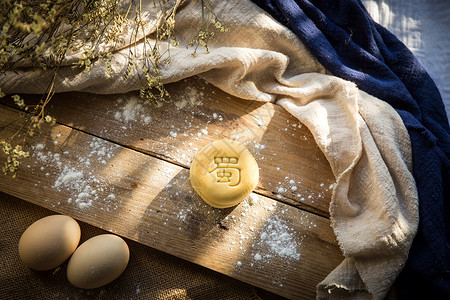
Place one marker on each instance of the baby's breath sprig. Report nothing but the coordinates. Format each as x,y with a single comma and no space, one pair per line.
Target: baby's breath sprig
34,116
13,157
211,24
41,34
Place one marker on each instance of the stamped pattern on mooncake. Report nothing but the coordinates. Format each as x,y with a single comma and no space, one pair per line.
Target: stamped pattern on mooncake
223,173
227,170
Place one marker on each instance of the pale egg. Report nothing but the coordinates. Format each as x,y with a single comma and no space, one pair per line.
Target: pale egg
98,261
49,242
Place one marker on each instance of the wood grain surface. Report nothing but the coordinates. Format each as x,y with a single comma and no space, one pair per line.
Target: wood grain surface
122,164
293,169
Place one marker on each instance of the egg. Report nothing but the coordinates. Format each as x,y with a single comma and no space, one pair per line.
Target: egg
98,261
48,242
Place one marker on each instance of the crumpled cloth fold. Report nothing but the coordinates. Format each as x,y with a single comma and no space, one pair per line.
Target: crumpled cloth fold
351,45
374,203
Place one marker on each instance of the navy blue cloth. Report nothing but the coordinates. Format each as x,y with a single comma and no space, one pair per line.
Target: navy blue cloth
345,40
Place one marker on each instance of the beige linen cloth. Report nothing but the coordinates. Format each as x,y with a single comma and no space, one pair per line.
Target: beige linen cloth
374,203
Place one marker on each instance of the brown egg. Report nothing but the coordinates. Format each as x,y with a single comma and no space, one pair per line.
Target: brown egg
49,242
98,261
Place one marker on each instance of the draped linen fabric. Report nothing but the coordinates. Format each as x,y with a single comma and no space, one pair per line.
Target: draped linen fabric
373,208
345,39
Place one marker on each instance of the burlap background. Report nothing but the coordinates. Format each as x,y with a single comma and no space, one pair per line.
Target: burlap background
150,274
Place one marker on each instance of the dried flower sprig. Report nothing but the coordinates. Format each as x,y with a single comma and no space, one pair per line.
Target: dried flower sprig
210,25
34,117
42,34
13,157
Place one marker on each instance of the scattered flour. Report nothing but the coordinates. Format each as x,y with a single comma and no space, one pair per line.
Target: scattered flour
289,188
69,178
279,238
272,238
257,257
193,97
134,109
39,147
78,178
74,181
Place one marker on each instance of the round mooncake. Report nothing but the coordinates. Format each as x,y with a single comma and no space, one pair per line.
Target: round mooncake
224,173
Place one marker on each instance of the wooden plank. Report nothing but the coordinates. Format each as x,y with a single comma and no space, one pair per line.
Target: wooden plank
263,242
292,168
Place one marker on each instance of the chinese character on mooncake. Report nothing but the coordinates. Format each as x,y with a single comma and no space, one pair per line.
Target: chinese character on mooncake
224,173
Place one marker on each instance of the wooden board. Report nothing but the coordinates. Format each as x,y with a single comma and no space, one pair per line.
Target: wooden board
135,172
293,169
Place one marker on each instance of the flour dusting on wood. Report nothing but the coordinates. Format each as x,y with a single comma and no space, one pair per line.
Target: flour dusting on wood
76,176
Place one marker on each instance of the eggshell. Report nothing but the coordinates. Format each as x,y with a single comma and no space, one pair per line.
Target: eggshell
98,261
49,242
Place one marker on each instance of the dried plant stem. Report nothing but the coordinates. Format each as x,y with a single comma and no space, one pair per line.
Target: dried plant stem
42,32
